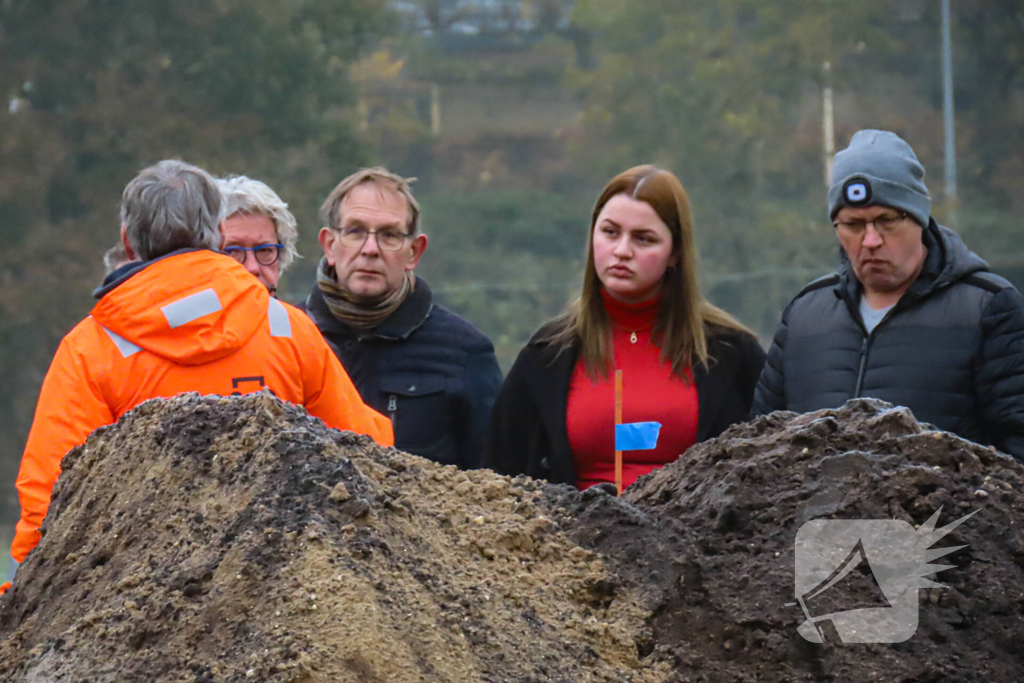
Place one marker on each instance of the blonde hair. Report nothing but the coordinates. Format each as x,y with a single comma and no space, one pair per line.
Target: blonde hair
685,319
331,209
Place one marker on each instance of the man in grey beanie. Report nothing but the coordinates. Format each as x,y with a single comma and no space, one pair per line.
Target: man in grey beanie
911,316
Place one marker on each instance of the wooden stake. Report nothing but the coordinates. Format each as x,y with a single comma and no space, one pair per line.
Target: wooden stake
618,421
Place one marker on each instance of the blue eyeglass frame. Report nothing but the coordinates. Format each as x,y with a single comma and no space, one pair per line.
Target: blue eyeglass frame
230,251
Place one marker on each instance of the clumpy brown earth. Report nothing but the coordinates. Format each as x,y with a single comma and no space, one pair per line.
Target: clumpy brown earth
729,512
207,539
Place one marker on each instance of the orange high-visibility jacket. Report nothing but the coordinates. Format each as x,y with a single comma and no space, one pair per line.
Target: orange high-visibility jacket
191,321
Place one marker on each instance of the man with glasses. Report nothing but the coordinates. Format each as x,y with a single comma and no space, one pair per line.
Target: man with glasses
429,370
259,232
912,316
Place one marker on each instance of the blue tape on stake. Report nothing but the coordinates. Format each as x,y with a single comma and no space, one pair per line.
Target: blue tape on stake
637,436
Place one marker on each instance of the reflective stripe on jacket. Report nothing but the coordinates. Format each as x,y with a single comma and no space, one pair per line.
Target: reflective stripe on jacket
190,321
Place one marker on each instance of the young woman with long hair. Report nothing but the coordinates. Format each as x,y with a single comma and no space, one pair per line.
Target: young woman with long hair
685,363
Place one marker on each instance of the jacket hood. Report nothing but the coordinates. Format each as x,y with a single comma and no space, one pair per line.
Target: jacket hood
959,261
114,277
190,307
948,261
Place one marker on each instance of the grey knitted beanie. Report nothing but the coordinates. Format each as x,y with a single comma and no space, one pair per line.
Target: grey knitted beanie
879,167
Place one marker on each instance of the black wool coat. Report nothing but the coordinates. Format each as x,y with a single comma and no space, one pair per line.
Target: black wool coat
431,371
528,432
951,349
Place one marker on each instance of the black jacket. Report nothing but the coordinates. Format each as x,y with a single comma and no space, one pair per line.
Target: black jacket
429,370
951,350
528,433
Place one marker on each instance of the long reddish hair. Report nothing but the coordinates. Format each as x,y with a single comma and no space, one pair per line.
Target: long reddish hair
685,319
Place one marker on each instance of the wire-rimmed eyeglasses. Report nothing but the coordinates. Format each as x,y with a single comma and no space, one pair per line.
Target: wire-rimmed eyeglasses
883,224
355,236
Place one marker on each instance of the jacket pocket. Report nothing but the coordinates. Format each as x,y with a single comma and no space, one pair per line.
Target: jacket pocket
420,413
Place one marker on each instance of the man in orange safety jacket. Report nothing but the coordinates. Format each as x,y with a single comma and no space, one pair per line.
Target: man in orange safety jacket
182,318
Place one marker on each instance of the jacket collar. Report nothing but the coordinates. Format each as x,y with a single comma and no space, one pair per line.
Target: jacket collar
119,276
409,317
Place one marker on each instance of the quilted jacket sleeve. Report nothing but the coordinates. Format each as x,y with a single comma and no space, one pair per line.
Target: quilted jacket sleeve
770,392
751,370
999,378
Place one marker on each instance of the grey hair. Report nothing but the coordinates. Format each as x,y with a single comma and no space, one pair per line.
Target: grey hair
248,196
169,206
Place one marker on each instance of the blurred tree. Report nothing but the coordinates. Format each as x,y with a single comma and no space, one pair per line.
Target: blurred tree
990,91
988,51
727,94
506,259
890,77
547,15
98,89
716,92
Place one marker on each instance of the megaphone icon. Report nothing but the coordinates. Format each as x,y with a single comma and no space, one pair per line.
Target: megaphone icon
862,601
862,587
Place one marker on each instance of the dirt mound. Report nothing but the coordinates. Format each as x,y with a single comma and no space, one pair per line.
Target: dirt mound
716,548
205,539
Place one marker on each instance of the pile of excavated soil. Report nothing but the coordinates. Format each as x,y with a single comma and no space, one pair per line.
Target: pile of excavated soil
715,548
206,539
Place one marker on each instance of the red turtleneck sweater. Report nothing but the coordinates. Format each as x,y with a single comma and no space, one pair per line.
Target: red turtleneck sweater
650,393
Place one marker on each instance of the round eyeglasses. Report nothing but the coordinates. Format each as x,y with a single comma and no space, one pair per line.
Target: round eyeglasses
266,254
355,236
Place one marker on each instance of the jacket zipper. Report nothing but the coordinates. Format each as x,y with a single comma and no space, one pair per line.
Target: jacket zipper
863,365
393,409
864,349
855,314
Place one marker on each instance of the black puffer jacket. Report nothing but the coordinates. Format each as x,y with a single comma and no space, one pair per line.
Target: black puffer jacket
432,372
528,432
951,349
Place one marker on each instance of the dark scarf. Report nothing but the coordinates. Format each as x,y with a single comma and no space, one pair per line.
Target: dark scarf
361,313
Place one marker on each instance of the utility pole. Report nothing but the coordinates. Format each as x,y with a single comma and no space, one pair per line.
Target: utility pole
435,110
828,124
947,101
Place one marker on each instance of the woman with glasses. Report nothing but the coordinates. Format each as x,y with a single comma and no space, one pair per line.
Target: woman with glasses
259,231
683,363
